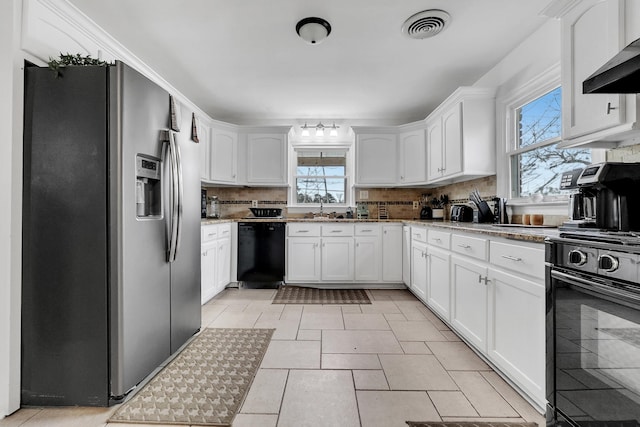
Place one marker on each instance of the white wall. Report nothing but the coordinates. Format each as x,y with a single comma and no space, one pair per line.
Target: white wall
10,216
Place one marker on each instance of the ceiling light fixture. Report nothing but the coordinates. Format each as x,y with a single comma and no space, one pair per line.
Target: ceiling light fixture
313,30
333,130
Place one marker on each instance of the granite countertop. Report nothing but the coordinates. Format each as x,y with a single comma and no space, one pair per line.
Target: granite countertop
525,233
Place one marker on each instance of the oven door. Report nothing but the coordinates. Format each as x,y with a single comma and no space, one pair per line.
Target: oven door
596,349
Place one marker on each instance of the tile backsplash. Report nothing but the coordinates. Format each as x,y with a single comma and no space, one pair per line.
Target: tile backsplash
236,201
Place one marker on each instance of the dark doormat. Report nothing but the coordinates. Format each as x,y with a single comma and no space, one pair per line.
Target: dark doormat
204,385
303,295
468,424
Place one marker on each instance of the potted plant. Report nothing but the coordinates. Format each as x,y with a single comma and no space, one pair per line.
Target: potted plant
438,203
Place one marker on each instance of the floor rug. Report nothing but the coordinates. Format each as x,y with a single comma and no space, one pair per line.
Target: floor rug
205,384
468,424
303,295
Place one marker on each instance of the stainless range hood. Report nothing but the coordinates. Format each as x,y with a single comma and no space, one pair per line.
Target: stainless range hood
621,74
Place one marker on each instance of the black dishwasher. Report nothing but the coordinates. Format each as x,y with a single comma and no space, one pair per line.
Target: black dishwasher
261,253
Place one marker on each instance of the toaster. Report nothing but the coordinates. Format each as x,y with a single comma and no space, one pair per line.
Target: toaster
461,213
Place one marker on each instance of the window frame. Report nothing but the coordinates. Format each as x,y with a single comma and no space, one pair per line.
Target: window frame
507,126
293,204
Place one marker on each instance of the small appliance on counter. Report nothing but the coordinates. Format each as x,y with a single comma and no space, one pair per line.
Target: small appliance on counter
500,211
461,213
349,213
426,213
213,208
606,198
203,203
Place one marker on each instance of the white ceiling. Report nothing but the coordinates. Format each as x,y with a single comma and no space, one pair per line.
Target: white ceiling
242,62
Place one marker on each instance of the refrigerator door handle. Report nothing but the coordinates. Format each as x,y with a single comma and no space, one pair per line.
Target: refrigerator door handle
173,195
180,194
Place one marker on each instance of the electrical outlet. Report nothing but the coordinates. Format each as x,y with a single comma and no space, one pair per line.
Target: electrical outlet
364,194
254,203
415,204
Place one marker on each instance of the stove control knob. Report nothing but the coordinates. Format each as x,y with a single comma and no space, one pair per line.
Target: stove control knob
577,257
608,263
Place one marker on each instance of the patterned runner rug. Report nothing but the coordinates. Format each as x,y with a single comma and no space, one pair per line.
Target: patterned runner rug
205,384
303,295
468,424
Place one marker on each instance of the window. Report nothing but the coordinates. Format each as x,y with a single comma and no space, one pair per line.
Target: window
536,162
321,176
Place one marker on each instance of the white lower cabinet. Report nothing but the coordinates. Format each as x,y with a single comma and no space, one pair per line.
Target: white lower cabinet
516,337
469,300
367,258
406,255
392,262
438,288
337,259
303,259
215,259
419,269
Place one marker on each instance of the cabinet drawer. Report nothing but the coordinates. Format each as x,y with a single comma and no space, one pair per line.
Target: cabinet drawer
208,233
471,246
522,259
419,234
337,230
367,230
224,230
301,229
441,239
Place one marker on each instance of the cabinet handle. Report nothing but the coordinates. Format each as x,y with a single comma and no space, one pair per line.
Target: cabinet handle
225,232
385,231
302,231
211,234
481,279
464,246
357,245
367,231
401,177
512,258
609,108
336,231
437,240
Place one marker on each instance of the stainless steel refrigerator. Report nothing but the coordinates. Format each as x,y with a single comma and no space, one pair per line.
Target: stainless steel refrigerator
111,234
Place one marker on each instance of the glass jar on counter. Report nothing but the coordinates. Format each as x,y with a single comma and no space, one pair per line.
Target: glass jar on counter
213,207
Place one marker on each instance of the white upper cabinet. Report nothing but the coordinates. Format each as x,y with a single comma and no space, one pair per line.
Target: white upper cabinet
412,163
204,135
223,156
376,156
593,32
267,159
461,137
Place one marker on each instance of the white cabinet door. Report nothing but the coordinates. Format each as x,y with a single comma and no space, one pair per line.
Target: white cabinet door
208,263
452,140
376,159
434,149
267,159
204,135
367,258
337,259
392,260
223,155
469,300
303,259
591,35
419,269
517,330
438,288
412,158
223,264
406,255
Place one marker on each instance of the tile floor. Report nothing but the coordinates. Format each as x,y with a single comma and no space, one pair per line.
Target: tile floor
344,365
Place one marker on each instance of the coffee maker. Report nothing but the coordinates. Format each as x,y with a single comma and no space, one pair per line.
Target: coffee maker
607,197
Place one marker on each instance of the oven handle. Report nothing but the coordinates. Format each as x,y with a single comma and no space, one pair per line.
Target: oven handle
593,286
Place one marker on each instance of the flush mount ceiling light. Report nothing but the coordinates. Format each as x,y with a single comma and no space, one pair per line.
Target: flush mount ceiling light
333,130
426,24
313,30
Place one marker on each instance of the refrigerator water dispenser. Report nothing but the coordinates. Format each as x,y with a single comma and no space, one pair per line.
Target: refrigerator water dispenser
148,187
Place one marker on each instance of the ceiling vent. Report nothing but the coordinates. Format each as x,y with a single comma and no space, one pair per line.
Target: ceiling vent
426,24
